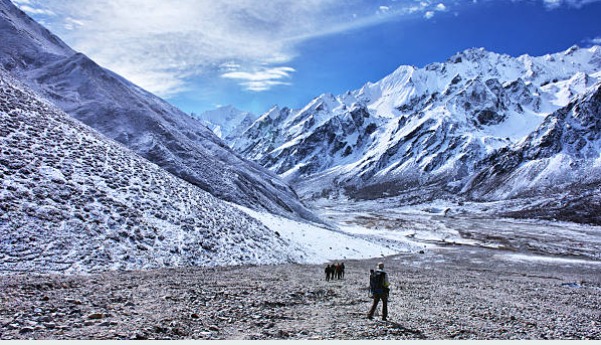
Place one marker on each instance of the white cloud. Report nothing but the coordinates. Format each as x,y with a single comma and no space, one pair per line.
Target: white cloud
71,23
261,79
384,9
33,10
163,45
553,4
592,41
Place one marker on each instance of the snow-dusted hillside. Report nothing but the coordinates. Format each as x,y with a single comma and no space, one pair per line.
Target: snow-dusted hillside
141,121
227,122
421,131
73,201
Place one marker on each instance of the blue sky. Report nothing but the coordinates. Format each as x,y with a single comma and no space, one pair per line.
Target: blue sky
253,54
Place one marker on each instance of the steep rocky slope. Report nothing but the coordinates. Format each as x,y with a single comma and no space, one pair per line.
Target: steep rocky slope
72,200
141,121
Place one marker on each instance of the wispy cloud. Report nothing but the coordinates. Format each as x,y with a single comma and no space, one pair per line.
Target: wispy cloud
162,45
261,79
29,7
592,41
553,4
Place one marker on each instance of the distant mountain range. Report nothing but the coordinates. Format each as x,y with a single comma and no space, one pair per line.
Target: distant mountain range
481,126
139,120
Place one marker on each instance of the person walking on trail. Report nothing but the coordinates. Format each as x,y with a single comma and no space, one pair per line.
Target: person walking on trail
371,283
328,271
380,288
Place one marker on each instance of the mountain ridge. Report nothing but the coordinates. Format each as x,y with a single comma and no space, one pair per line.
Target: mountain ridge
422,130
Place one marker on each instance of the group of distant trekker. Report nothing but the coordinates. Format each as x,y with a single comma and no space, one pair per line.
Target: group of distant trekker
335,271
379,285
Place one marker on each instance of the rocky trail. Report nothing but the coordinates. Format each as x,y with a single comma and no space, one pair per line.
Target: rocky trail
444,293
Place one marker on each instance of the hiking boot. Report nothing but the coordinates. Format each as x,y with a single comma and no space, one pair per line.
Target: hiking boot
370,317
383,319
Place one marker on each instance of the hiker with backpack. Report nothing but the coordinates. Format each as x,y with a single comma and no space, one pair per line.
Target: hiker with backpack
379,288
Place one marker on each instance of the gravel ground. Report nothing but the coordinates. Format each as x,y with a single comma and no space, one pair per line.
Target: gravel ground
454,292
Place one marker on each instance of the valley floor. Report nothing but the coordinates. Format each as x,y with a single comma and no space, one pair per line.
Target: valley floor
449,292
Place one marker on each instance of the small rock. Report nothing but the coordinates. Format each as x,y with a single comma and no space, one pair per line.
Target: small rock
26,330
96,316
178,331
140,336
74,301
89,323
45,298
50,325
160,329
195,316
214,328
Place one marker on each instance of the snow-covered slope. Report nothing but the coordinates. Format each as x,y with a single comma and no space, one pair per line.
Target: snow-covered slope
72,200
561,158
141,121
227,122
419,130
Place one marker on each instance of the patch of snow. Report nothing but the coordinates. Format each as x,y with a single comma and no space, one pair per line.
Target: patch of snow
321,245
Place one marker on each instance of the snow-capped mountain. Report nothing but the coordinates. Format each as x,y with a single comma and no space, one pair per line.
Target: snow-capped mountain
227,122
562,157
72,200
139,120
420,130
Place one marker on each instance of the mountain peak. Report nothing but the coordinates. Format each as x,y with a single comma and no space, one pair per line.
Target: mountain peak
572,50
470,54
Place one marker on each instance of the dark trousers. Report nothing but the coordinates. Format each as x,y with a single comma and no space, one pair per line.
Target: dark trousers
377,298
